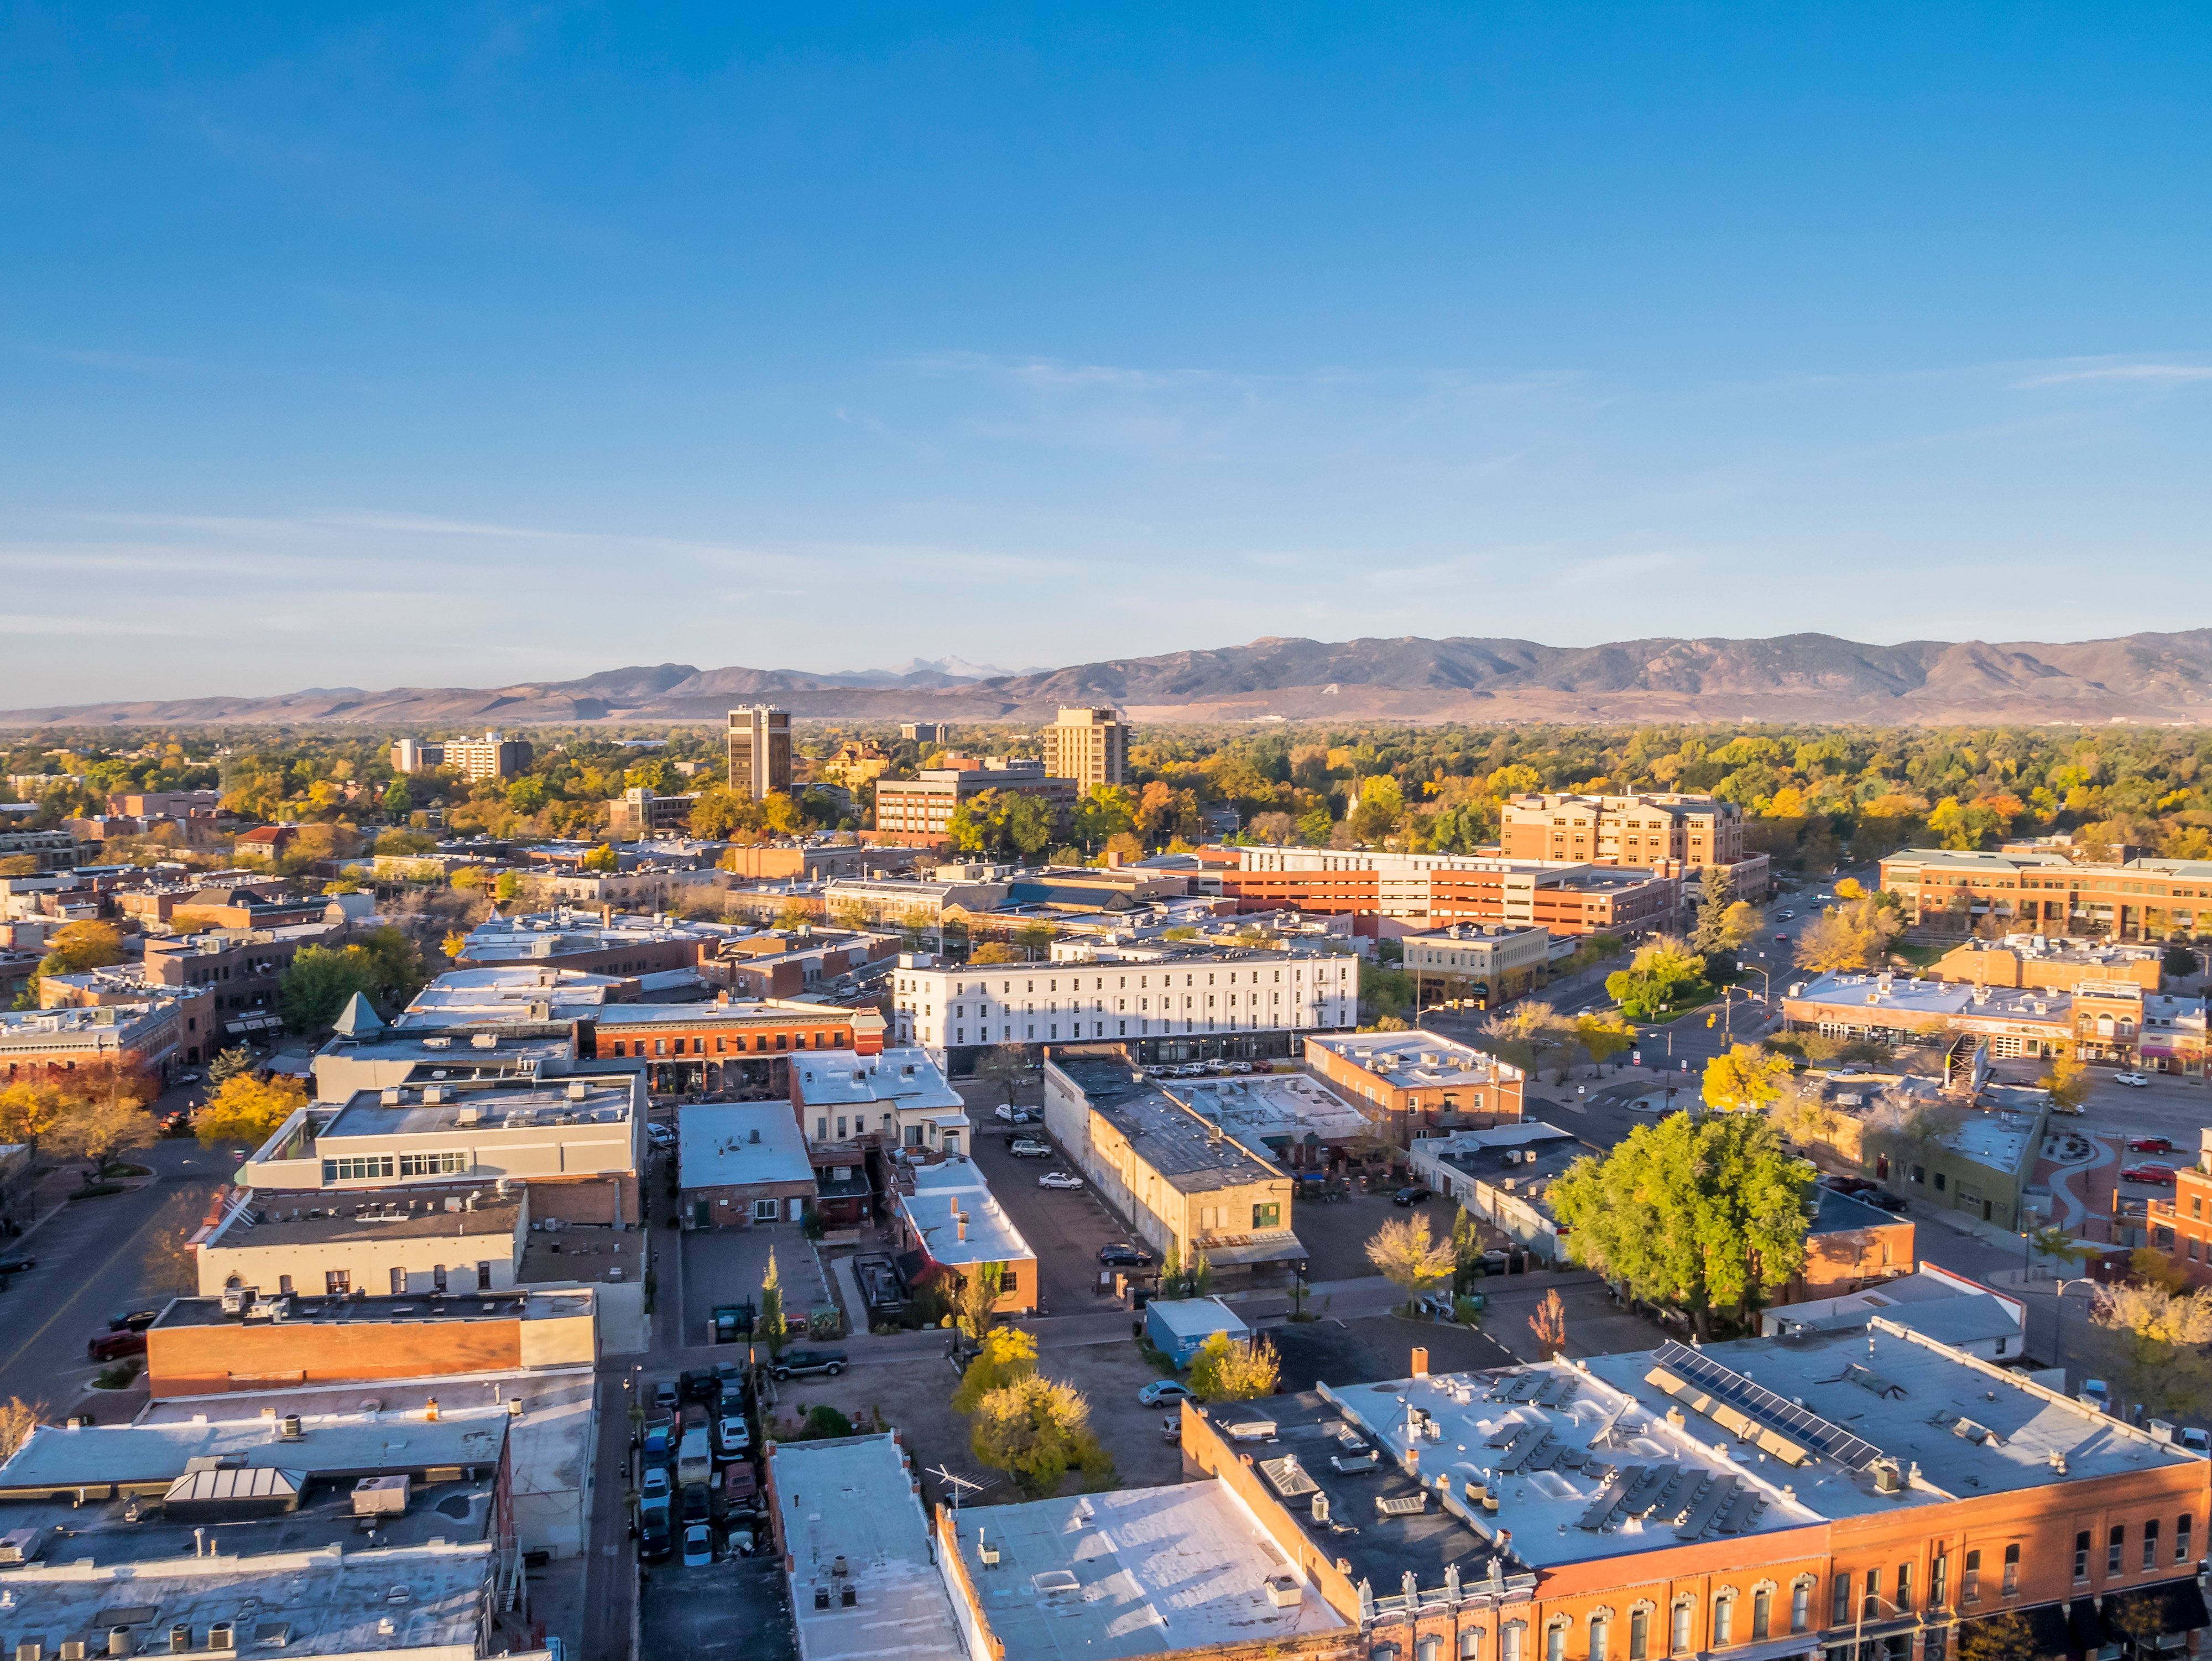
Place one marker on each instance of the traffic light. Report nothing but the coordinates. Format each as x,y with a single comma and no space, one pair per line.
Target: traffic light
1712,1020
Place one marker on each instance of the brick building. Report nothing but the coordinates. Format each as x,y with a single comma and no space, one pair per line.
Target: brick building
1823,1495
1591,899
1404,1078
1090,746
743,1164
1643,829
923,805
738,1048
166,1031
2144,899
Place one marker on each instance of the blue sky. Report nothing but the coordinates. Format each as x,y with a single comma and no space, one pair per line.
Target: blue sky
472,343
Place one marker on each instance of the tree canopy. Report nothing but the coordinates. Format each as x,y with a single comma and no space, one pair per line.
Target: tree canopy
245,1109
1704,1215
381,965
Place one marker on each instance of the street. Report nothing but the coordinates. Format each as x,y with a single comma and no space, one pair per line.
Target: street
93,1263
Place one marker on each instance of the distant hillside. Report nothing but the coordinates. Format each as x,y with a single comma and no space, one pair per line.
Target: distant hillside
1808,678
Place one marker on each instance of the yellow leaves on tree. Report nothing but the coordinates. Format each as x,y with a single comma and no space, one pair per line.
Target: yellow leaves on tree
1228,1369
247,1110
1745,1079
78,946
1007,1354
1853,935
1403,1253
1035,1429
96,1130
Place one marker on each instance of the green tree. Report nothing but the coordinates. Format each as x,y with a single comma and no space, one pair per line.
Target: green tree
2160,1336
1716,892
395,798
1603,1035
975,1306
228,1064
1702,1215
601,858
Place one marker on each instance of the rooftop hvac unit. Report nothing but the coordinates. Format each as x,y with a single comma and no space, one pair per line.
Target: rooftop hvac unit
389,1097
485,1041
437,1043
577,1093
222,1635
19,1545
469,1114
432,1096
752,1136
180,1638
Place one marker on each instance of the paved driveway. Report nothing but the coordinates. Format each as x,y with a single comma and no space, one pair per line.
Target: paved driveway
1064,1230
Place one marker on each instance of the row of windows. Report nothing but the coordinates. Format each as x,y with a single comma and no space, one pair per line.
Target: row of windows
1120,983
338,1282
723,1043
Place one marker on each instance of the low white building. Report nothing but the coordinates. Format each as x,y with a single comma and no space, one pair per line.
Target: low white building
740,1163
1168,1002
947,1213
856,1541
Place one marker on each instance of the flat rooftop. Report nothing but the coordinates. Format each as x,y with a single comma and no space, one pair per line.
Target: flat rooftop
1417,1061
957,1186
1871,996
474,1211
320,1600
1842,1213
905,1077
1267,1109
854,1497
731,1144
577,1100
1933,1306
1184,1149
419,1309
1136,1572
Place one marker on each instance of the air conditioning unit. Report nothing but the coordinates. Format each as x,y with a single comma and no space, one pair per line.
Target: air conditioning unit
432,1096
469,1114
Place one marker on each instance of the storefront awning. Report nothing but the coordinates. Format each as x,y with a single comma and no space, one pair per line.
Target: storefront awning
1254,1252
2174,1607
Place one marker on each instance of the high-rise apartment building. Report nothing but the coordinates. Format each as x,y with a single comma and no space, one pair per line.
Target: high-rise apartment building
494,756
760,750
1090,746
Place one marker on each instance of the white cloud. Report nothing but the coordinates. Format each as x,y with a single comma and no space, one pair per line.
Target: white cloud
2168,374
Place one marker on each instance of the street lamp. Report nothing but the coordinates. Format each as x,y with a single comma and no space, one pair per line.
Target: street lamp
1858,1649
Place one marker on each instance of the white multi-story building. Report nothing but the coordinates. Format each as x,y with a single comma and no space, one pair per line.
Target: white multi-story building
1174,1003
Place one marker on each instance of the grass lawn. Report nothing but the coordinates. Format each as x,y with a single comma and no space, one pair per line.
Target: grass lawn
1920,956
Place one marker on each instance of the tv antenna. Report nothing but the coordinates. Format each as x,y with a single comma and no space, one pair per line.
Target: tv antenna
954,1485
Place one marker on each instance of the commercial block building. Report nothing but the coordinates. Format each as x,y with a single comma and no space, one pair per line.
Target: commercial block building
1797,1497
1586,899
1486,964
1503,1175
760,751
2182,1227
199,1348
165,1032
739,1164
1090,746
726,1048
2049,963
924,900
1187,1189
893,1099
579,1137
1287,1119
494,756
923,806
1932,1301
2144,899
639,811
1169,1002
240,969
1418,1082
2114,1021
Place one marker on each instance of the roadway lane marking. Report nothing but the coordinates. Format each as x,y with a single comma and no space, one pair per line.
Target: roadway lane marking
129,1241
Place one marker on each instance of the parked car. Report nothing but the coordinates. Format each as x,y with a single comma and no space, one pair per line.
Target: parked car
698,1546
1161,1390
698,1502
660,1134
188,1077
1850,1185
732,1436
1240,1066
664,1395
2150,1145
1061,1180
801,1363
17,1265
2153,1176
114,1345
2196,1439
136,1321
1120,1254
1782,940
1171,1428
2136,1080
1412,1194
1007,1113
1494,1262
1029,1148
740,1489
1886,1200
655,1539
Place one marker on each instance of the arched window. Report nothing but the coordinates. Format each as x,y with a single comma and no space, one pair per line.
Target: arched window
1470,1644
1678,1636
1509,1641
1800,1606
1555,1642
1639,1635
1601,1633
1762,1613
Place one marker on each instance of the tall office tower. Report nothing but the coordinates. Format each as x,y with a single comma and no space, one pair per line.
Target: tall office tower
1090,746
760,750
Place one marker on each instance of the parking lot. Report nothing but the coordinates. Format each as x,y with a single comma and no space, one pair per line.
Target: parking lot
1064,1230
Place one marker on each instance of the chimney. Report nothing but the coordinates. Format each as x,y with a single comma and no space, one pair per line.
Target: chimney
1420,1362
430,1409
960,1224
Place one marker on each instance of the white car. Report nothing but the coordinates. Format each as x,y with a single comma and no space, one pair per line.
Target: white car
2136,1080
659,1136
698,1546
654,1486
1161,1390
1062,1180
1029,1148
732,1436
1009,1114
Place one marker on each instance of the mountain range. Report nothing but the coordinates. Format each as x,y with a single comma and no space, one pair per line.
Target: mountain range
2154,678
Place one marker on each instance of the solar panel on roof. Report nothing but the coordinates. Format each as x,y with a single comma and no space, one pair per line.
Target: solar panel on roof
1756,1401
